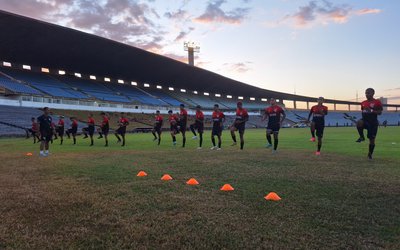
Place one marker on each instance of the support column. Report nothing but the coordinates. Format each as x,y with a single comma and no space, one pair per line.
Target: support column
294,105
308,105
334,106
349,108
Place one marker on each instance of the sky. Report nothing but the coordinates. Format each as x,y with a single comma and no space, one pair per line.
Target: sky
330,48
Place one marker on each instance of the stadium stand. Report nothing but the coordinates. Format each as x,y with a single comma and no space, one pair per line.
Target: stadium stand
44,83
17,87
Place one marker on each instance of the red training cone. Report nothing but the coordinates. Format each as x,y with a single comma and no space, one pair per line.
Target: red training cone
166,177
227,187
272,197
192,181
141,174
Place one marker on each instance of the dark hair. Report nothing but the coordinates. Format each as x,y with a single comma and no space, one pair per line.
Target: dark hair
239,103
33,118
45,108
157,111
182,105
216,105
102,113
198,107
371,89
169,111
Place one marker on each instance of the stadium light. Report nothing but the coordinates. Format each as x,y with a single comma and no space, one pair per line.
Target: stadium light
207,94
6,64
217,95
252,99
191,47
93,77
121,81
195,92
27,67
61,72
159,87
79,75
146,85
45,70
229,96
240,97
183,90
106,79
134,83
171,88
263,99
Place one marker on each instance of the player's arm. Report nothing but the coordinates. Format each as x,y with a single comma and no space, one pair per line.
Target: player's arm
309,115
378,110
264,116
282,118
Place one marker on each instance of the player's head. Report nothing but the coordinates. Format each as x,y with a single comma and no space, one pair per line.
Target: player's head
182,106
90,115
61,117
198,108
369,93
71,118
158,112
320,100
33,119
122,114
46,110
272,101
239,105
170,112
216,107
102,114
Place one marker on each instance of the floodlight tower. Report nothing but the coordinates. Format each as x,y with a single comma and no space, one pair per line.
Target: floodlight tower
191,47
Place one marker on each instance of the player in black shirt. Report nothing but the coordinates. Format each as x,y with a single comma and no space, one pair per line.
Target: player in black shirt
46,131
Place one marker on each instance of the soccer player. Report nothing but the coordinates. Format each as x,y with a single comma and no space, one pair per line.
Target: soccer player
199,125
218,119
34,130
104,127
275,115
46,131
183,123
239,125
370,109
122,123
157,127
173,121
89,129
73,130
60,129
318,122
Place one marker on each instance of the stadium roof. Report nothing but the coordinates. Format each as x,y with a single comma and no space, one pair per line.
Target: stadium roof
33,42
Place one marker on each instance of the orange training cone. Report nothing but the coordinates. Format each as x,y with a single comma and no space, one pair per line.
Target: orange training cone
29,154
272,197
227,187
141,174
166,177
192,181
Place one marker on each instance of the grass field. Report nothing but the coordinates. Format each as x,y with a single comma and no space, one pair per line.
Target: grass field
82,197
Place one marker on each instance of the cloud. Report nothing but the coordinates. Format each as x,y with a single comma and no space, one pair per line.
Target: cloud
214,14
323,12
183,34
179,14
239,67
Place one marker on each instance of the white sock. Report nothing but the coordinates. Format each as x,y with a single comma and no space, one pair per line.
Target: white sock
47,151
41,151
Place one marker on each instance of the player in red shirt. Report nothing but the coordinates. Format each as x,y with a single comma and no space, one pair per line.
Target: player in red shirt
60,128
89,129
34,130
158,123
173,121
318,122
199,125
183,115
275,115
218,119
104,128
73,130
370,109
239,125
122,123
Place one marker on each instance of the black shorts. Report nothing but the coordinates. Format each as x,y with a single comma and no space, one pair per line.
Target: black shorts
240,127
73,130
60,131
121,130
174,128
46,135
372,129
199,126
216,130
158,128
90,130
32,132
182,127
105,130
273,127
319,128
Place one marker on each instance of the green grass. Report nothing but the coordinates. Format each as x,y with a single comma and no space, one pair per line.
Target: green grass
90,197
